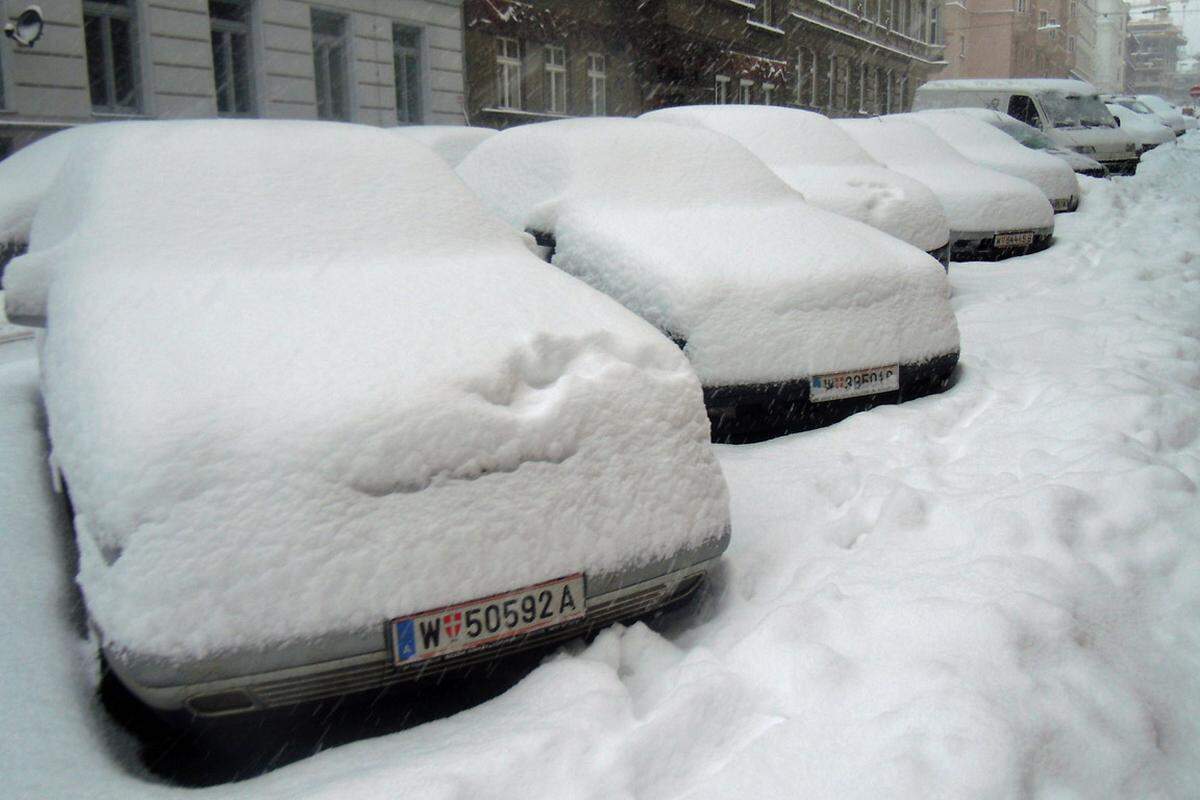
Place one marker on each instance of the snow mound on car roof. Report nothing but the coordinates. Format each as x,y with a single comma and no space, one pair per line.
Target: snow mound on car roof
990,147
974,198
27,175
819,160
290,400
451,142
688,229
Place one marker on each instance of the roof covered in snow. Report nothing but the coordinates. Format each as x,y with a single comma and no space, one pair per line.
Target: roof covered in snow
27,175
1030,85
348,383
451,142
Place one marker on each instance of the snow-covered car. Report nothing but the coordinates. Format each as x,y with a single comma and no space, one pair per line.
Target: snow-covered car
816,157
991,215
1146,129
792,316
1171,116
988,147
1032,138
330,430
451,142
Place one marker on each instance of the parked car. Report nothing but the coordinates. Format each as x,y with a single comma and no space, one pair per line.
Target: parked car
1068,111
1146,128
451,142
816,157
988,147
991,215
792,316
1031,137
327,431
1169,114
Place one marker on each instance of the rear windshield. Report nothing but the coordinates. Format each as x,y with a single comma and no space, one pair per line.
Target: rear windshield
1076,111
1135,105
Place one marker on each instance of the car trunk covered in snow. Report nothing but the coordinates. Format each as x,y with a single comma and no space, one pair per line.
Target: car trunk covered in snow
290,401
688,229
818,159
978,202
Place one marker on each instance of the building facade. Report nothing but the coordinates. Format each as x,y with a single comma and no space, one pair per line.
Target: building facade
1154,42
1112,19
380,62
553,58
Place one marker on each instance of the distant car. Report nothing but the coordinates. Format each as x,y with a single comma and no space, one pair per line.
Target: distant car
816,157
327,431
1169,114
991,215
1146,129
988,147
1034,139
792,316
451,142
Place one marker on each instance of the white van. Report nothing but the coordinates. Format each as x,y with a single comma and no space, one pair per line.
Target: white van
1069,112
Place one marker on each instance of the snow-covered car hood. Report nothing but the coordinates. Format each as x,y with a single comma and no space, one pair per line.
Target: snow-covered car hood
989,147
296,406
974,198
830,169
1144,129
27,175
683,226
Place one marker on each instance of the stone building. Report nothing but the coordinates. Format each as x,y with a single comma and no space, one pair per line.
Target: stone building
380,62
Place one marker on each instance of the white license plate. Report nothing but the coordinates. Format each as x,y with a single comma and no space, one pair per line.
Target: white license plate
839,385
1014,239
442,631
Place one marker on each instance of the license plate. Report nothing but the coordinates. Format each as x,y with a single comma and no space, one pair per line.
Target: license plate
839,385
1061,204
451,629
1014,239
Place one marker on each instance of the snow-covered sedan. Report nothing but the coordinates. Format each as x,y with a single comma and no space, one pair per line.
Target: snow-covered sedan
330,430
982,144
991,215
1147,129
792,316
1171,116
1032,138
818,159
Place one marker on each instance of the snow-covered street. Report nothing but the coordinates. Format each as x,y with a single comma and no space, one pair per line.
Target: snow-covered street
992,592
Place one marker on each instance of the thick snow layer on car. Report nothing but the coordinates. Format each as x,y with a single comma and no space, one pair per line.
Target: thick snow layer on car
974,198
27,175
992,592
290,401
688,229
1145,130
988,147
819,160
451,142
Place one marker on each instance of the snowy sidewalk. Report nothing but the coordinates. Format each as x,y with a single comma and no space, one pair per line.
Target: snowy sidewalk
994,592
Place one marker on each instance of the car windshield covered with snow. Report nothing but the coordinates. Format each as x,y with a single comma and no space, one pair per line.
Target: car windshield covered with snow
815,157
773,300
991,214
1076,111
297,408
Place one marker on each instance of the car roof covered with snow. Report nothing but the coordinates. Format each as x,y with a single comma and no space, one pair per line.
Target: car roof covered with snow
687,228
975,198
451,142
1031,85
817,158
989,147
26,176
290,400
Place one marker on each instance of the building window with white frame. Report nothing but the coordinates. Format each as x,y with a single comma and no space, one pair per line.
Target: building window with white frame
721,90
406,63
768,94
508,73
330,64
1043,18
233,73
597,72
111,40
556,79
745,91
935,23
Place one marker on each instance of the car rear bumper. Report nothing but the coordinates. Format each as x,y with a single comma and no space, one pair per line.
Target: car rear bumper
756,412
374,670
981,245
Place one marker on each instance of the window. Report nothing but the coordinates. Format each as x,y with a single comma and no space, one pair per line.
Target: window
110,37
508,73
598,84
902,97
232,73
556,79
1021,7
764,12
880,89
329,64
1071,10
806,77
1070,44
935,24
863,71
844,77
406,60
745,91
831,97
768,94
721,90
894,16
887,92
1043,18
1021,107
